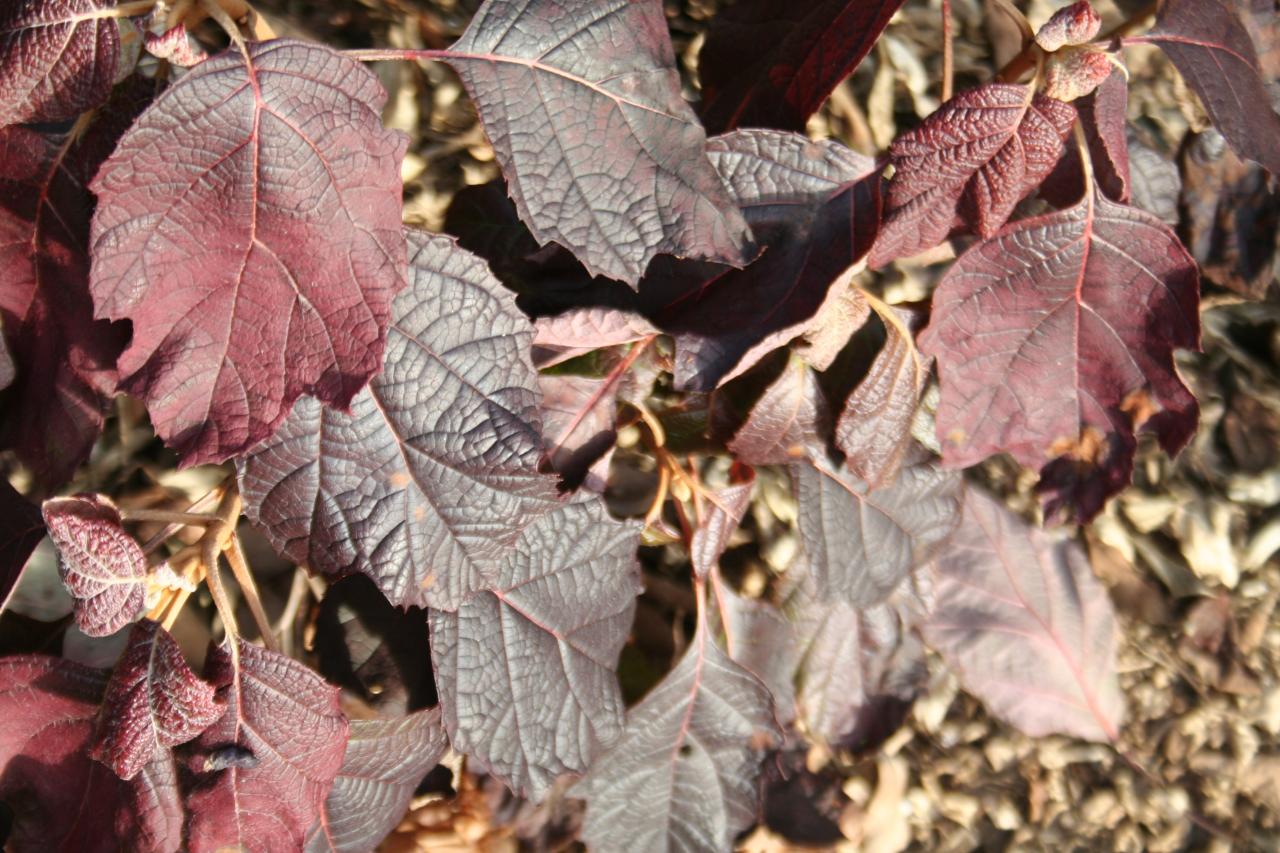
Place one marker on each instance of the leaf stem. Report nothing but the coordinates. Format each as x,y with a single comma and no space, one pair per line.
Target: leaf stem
948,52
159,539
240,567
379,54
197,519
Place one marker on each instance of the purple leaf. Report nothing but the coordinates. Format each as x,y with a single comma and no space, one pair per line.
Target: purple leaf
771,63
600,150
861,542
58,58
21,529
1211,47
684,774
1023,621
1103,118
1055,341
814,206
579,416
288,722
525,668
101,566
7,369
724,509
762,639
153,701
69,801
582,330
384,762
249,226
790,421
434,470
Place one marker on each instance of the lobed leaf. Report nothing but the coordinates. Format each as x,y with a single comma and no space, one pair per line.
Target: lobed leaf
525,668
264,769
771,63
433,472
599,148
1055,342
1030,631
249,226
21,530
101,565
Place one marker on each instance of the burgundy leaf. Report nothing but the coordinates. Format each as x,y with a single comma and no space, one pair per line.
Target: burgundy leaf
579,415
153,701
1055,341
285,722
1071,25
434,470
1210,45
21,529
862,542
525,669
977,156
57,58
1103,117
874,428
600,150
1030,631
790,421
771,63
101,565
814,206
684,774
582,330
762,639
384,762
723,512
249,226
70,802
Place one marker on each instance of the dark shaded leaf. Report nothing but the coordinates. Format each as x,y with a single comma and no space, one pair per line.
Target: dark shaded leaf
153,701
60,798
600,150
861,543
976,157
1055,342
525,668
790,421
1210,45
7,369
384,762
771,63
1030,631
434,470
249,226
101,566
21,529
1103,117
287,719
58,58
684,774
1155,182
723,511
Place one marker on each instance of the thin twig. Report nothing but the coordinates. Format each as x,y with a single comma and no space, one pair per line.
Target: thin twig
948,52
244,577
197,519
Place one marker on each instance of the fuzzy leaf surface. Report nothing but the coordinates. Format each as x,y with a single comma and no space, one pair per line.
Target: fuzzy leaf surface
790,421
599,148
101,565
1055,341
249,226
975,157
1210,45
771,63
862,542
384,762
683,776
525,668
153,701
434,469
21,529
284,723
58,58
1028,628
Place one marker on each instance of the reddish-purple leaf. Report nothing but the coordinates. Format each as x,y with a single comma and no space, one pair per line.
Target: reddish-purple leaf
249,226
1071,25
283,723
7,368
815,207
790,421
684,774
525,668
1103,118
874,428
723,511
1055,341
976,157
862,542
69,802
1211,47
384,762
1029,630
101,565
21,529
582,330
57,58
771,63
153,701
761,638
600,150
435,468
174,46
579,415
1074,72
